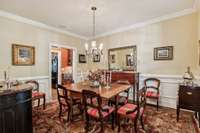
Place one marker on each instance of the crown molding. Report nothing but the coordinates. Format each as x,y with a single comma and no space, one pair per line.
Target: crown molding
38,24
152,21
8,15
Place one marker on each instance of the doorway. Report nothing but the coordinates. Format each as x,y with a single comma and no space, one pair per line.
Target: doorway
62,67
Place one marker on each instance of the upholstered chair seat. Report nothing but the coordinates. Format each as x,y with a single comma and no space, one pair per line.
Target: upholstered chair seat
107,110
37,94
152,94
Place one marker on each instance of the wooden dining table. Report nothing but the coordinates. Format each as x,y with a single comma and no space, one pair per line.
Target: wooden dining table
106,93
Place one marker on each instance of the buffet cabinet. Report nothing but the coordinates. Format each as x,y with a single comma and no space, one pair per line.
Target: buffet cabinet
123,75
189,98
16,111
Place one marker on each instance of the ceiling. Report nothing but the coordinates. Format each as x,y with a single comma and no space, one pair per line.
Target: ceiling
75,16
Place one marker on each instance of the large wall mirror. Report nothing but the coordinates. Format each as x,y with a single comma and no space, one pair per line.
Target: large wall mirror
123,59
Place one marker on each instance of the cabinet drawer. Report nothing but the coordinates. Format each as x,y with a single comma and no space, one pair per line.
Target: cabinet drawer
189,96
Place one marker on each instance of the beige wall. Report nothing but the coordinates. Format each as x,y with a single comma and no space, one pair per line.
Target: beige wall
20,33
180,32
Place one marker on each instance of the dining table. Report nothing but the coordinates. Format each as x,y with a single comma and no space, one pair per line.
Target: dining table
105,92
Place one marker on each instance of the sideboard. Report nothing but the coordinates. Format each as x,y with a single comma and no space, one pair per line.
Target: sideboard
16,110
189,98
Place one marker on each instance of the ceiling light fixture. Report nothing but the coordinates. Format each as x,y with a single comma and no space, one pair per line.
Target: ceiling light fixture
93,50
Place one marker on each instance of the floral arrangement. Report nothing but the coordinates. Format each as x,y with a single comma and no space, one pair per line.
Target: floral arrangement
96,76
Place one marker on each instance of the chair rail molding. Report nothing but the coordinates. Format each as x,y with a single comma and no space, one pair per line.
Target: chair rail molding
43,84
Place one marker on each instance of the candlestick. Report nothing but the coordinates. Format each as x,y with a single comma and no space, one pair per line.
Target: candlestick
104,80
110,77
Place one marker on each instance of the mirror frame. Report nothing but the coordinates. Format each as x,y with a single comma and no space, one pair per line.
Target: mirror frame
119,48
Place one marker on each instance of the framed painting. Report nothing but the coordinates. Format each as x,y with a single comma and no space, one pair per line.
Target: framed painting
129,60
96,58
163,53
82,58
23,55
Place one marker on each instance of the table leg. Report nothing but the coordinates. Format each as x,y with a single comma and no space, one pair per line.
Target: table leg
133,94
177,112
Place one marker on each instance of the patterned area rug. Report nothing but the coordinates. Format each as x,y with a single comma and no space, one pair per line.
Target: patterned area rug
162,121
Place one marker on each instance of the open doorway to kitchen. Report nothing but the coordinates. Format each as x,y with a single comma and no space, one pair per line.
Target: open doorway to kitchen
61,66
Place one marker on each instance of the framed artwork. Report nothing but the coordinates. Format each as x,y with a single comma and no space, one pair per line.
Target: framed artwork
129,60
163,53
23,55
112,58
82,58
96,58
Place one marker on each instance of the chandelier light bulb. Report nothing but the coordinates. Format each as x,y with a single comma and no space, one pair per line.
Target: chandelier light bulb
101,46
93,44
86,46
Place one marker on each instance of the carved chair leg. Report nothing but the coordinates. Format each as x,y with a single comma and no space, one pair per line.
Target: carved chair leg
118,123
142,123
68,115
72,113
113,120
102,127
60,111
44,102
38,102
157,104
86,123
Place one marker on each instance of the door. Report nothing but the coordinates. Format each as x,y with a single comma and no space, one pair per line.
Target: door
54,71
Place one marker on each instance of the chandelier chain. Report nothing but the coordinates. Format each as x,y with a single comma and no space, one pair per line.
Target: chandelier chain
94,21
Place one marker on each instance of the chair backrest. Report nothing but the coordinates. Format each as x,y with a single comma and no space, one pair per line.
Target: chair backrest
62,94
34,84
88,97
126,82
152,83
141,97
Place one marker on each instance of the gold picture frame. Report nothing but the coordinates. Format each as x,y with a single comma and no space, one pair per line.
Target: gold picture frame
23,55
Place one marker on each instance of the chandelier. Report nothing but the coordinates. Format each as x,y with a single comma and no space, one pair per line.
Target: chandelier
93,49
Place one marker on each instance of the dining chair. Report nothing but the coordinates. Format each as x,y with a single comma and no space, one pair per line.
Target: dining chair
96,111
122,99
36,94
133,112
65,100
152,85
